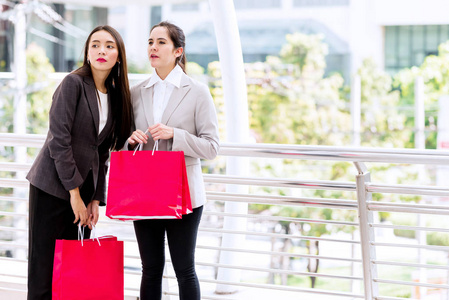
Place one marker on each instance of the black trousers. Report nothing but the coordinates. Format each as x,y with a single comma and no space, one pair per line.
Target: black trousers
50,218
181,236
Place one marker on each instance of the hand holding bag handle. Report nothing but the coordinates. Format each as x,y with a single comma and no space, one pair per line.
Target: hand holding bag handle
140,146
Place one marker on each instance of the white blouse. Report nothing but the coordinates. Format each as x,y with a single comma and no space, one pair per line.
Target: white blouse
103,108
163,90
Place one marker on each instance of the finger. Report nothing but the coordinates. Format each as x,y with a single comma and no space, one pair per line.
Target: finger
83,218
76,218
89,221
96,217
141,138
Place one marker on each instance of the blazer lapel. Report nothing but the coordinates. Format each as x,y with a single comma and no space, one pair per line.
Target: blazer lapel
175,99
147,103
91,95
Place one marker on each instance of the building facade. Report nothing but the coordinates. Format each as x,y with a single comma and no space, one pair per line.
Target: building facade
396,34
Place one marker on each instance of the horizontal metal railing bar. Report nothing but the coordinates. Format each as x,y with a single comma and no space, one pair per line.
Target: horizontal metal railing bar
407,189
435,248
277,271
277,287
279,200
131,272
281,182
278,235
7,228
14,183
400,282
13,199
13,214
14,167
392,298
404,227
360,154
337,149
288,254
393,263
275,218
12,245
409,205
408,210
25,140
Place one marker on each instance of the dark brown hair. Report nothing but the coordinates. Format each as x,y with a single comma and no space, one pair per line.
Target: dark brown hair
178,38
118,89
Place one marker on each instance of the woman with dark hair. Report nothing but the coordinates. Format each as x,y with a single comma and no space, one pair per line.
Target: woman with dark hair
90,115
179,113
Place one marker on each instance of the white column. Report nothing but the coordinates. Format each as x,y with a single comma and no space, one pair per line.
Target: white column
356,111
237,129
20,118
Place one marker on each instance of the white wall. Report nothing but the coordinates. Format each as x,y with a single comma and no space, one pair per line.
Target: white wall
411,12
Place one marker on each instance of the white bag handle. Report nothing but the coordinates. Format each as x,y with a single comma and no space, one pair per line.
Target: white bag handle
81,234
140,146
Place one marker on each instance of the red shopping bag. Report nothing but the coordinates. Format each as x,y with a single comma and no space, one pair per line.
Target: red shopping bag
88,269
148,185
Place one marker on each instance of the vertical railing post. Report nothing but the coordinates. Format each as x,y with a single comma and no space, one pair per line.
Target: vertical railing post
20,119
366,232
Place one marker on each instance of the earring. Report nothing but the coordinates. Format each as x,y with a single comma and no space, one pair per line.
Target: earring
88,61
118,69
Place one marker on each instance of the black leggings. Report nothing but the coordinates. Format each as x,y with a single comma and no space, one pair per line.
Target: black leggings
181,236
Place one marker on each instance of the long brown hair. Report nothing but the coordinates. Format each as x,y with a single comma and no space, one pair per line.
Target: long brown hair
178,38
118,88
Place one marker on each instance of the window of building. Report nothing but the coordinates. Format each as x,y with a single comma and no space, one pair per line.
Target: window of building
301,3
185,7
256,4
407,46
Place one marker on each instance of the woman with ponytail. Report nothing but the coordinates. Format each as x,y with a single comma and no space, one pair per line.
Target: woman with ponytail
179,113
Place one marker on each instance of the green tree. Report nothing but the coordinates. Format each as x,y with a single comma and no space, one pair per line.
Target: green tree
39,101
435,73
382,123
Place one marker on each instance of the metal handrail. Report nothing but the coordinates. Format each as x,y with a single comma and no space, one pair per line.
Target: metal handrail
360,189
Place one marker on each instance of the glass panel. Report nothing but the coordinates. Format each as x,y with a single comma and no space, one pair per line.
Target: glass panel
256,4
185,7
299,3
418,57
444,33
432,34
390,46
404,46
418,38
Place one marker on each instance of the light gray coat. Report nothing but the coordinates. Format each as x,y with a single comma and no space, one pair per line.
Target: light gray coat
191,112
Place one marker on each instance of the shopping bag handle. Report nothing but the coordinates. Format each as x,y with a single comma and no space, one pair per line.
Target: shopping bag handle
140,146
81,234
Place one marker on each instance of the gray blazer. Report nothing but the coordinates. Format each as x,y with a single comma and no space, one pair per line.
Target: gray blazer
73,150
191,112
